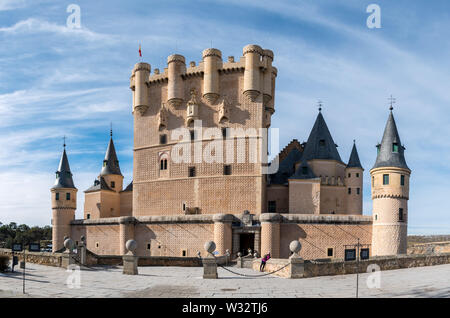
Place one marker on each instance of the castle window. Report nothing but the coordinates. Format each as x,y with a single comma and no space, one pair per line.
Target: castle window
163,164
184,206
227,170
96,244
191,172
224,133
322,142
350,254
349,175
357,175
385,179
330,252
183,253
395,147
68,196
113,184
148,246
57,196
272,206
105,162
402,180
401,217
357,190
192,134
349,191
163,139
364,253
88,216
373,181
376,217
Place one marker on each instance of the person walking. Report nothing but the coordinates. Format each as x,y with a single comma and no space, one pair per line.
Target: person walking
263,262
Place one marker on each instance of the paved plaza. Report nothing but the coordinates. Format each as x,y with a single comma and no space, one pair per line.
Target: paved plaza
187,282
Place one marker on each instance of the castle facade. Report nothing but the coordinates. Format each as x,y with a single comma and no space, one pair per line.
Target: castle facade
200,173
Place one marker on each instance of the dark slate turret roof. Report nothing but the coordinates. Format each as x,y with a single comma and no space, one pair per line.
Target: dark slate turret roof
354,162
320,144
286,167
99,184
64,175
129,187
304,171
110,163
386,156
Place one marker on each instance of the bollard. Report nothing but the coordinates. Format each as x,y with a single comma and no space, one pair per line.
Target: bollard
297,264
130,260
82,249
209,262
239,260
68,257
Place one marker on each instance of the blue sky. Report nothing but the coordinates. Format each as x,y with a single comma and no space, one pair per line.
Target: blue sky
56,81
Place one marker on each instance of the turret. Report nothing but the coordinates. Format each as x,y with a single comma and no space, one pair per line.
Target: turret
252,73
64,203
139,86
212,62
111,169
354,183
390,194
175,86
267,77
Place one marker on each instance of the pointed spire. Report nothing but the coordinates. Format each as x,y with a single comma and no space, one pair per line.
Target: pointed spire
64,175
320,144
304,171
110,163
391,151
354,162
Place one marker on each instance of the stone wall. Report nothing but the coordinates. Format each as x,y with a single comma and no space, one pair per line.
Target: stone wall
42,258
429,248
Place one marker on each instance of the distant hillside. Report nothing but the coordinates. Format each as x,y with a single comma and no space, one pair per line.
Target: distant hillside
416,239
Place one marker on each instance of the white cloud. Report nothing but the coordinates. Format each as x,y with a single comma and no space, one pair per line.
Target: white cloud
6,5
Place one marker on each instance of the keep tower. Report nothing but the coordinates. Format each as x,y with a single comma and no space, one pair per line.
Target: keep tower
390,193
64,203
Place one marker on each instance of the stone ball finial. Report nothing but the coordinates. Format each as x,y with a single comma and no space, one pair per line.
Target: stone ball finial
131,245
255,255
239,254
68,243
210,246
295,246
82,238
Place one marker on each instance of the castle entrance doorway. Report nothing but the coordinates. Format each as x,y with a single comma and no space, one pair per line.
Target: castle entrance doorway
247,241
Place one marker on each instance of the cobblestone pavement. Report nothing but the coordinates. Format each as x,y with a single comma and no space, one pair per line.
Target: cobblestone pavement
47,281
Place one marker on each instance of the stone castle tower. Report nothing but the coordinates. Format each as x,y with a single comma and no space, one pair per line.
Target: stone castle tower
390,194
354,181
64,203
222,95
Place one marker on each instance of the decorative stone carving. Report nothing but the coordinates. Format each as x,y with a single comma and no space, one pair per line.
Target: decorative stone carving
163,117
192,108
224,111
141,109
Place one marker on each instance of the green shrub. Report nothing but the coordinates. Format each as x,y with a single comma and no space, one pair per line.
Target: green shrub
4,262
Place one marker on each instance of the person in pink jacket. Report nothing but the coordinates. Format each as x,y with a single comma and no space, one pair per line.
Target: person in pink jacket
263,262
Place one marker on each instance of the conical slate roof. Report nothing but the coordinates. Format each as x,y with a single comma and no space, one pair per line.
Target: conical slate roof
286,167
320,144
110,163
354,162
391,150
304,171
99,184
64,175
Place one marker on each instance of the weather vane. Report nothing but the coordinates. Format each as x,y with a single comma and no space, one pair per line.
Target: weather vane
319,103
110,131
64,144
392,100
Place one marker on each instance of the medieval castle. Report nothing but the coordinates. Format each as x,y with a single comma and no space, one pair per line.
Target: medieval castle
172,207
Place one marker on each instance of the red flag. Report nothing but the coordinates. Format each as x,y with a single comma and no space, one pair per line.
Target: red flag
140,53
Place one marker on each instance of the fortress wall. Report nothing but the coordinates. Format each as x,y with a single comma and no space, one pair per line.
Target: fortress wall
279,194
106,235
317,238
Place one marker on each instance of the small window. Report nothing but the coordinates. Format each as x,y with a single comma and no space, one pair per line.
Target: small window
227,170
376,217
350,254
183,253
401,217
394,147
68,196
330,252
349,175
163,164
402,180
184,206
357,191
373,181
322,142
163,139
272,206
349,191
385,179
364,253
357,175
96,244
113,184
88,216
378,149
105,162
224,133
148,246
191,172
57,196
304,170
192,134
